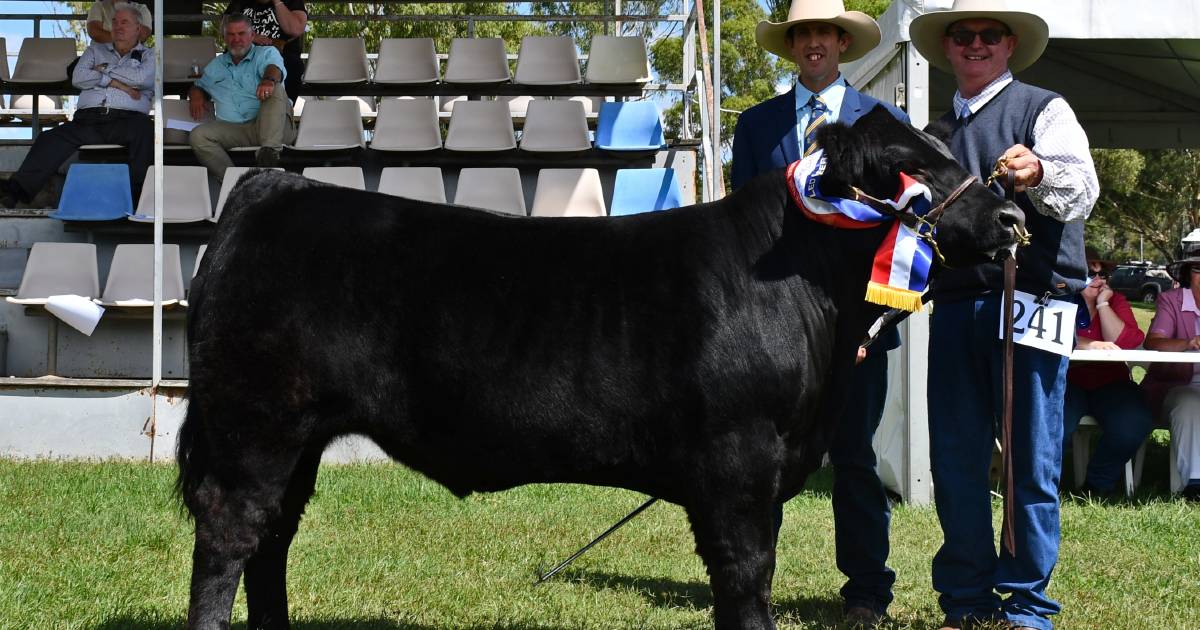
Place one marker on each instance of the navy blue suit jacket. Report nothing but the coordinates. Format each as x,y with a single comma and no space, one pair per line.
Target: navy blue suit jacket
765,140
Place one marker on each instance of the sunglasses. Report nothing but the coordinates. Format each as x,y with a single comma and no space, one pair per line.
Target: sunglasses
965,36
1103,275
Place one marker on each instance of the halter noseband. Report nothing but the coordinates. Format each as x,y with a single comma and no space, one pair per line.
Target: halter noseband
923,225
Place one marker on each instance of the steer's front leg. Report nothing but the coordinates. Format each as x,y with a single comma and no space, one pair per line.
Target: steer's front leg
735,536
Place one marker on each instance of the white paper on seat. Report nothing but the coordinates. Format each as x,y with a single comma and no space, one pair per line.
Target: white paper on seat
78,312
182,125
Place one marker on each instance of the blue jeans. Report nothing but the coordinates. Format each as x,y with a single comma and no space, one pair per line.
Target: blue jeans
1121,411
861,512
965,398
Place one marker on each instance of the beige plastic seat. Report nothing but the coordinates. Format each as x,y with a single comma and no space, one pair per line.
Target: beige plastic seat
423,183
347,176
480,126
337,60
178,110
568,192
330,125
4,75
447,103
232,175
179,53
44,59
591,104
546,60
518,106
49,107
407,125
496,189
58,269
409,60
185,196
477,60
131,277
614,59
555,126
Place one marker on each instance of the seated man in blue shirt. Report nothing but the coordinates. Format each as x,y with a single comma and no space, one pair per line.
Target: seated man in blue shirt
245,85
116,82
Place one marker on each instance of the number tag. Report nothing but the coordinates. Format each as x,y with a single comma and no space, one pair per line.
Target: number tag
1049,326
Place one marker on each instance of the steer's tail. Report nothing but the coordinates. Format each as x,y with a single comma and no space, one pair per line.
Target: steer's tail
191,454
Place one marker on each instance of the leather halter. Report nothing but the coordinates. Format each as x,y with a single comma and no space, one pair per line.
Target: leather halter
925,225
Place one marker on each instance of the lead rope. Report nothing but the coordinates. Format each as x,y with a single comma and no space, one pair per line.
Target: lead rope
1010,280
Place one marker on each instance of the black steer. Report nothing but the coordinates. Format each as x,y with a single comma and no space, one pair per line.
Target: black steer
697,355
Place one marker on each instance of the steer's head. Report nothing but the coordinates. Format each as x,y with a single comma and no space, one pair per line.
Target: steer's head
973,227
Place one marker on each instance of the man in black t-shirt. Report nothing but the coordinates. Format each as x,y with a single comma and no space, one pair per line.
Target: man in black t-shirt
278,23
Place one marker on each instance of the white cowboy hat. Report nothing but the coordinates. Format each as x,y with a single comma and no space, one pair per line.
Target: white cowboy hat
927,31
864,32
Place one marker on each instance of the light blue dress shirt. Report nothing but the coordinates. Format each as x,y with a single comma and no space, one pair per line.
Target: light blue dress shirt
232,87
832,95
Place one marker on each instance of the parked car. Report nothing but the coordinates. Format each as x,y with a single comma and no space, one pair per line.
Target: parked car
1140,281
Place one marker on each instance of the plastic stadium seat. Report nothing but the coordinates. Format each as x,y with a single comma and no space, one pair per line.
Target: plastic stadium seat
347,176
547,61
411,60
330,125
518,106
131,276
618,60
591,104
407,125
44,60
59,269
337,60
480,126
49,107
4,55
496,189
178,109
568,192
555,126
180,53
638,190
185,196
477,60
630,126
423,183
232,175
95,192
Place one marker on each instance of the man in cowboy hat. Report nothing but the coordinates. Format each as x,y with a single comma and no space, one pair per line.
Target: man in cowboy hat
981,43
817,36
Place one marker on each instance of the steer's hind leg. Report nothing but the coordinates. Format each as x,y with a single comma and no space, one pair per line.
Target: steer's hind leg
736,539
234,511
266,570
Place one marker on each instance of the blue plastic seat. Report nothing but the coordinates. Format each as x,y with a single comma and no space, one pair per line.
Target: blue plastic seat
631,126
638,190
95,192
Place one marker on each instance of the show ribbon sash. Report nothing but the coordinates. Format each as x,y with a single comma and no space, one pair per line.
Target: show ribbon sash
900,272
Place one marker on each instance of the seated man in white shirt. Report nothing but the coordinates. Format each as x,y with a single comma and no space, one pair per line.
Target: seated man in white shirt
116,82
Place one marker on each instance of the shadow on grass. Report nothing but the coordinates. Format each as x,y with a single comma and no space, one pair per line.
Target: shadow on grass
132,623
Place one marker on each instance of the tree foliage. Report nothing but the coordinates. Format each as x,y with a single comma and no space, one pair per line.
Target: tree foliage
1154,195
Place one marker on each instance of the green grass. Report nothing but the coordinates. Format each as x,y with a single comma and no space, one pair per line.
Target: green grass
103,545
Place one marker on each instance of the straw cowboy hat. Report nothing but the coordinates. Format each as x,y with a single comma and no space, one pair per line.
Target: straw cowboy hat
927,30
864,32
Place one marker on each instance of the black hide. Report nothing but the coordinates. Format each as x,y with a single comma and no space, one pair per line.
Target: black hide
698,355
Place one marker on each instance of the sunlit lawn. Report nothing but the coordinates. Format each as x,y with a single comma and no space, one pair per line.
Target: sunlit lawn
103,545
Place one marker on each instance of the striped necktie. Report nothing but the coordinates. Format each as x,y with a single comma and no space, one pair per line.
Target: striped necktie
819,115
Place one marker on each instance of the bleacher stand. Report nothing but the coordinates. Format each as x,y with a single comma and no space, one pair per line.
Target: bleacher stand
480,126
131,277
58,269
614,59
95,192
407,125
407,61
186,196
547,61
115,113
423,183
337,61
330,126
555,127
631,126
477,60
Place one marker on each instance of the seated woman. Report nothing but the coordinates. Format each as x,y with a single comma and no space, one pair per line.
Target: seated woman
1103,389
1177,385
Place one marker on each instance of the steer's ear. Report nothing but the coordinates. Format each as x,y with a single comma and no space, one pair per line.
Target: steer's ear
941,130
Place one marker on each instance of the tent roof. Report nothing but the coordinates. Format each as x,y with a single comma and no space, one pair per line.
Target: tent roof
1131,72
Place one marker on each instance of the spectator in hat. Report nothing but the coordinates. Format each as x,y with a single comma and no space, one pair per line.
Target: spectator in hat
1103,389
1176,386
817,36
992,115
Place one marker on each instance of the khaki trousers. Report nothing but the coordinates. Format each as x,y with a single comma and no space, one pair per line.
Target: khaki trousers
273,128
